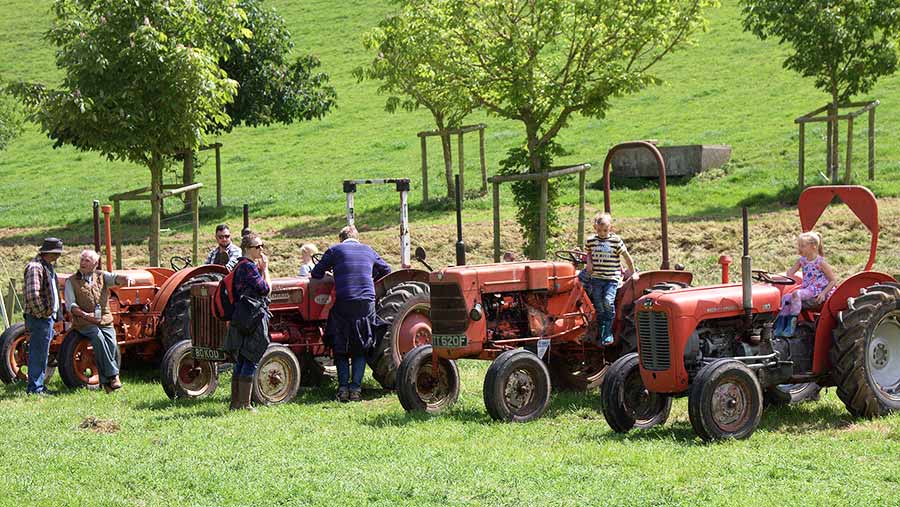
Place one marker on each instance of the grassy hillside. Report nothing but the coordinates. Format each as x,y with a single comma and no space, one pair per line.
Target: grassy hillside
729,88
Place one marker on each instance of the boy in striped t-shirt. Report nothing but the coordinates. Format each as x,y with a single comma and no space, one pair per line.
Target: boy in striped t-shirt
605,250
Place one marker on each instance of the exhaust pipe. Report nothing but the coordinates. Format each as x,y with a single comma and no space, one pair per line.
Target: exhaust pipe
460,245
746,272
246,220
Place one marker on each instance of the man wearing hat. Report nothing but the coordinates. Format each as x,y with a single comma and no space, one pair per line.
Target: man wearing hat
42,309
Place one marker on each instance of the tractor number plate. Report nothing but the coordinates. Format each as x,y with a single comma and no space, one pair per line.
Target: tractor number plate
206,354
449,341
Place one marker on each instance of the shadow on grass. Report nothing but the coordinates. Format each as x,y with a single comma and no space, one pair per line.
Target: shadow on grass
399,419
805,418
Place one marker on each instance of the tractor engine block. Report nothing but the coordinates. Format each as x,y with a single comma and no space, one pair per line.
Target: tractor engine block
506,316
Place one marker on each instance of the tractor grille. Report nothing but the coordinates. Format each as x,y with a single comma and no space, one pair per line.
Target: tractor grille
206,330
653,338
448,309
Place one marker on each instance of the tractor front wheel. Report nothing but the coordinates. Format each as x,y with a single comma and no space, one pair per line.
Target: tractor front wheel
14,354
517,387
626,401
405,308
725,401
865,357
421,388
183,376
277,378
77,366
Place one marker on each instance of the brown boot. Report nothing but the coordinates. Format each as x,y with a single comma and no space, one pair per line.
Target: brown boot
235,399
245,388
115,383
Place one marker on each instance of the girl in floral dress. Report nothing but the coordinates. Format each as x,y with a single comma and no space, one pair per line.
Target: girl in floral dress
818,283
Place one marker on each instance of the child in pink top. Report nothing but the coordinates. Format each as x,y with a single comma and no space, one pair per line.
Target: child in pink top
818,282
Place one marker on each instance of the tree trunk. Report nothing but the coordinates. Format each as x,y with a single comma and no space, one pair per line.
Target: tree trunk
447,151
156,168
187,177
534,158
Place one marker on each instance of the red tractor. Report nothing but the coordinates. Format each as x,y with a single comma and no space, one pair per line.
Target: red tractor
149,317
716,344
532,319
297,353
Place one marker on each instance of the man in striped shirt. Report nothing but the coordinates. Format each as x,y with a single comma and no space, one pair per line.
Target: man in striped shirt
605,251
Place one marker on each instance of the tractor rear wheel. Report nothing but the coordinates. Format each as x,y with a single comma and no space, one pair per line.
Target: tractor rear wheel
420,388
405,307
576,366
725,401
626,401
77,366
865,356
175,324
790,394
183,376
517,387
14,354
277,378
316,371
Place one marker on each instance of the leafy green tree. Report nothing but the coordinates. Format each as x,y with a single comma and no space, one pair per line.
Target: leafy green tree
541,61
844,45
407,46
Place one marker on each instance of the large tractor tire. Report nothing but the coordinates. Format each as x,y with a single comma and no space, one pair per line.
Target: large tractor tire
316,371
77,366
175,324
277,378
405,307
865,356
791,394
184,377
14,354
422,389
576,367
626,402
725,401
517,387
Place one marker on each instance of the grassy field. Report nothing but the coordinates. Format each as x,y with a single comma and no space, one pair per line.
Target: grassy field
730,88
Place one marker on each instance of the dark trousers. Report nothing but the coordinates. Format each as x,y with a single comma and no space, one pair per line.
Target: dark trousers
244,367
40,333
350,371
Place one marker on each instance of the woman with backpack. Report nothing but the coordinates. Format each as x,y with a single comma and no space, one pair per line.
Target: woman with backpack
248,329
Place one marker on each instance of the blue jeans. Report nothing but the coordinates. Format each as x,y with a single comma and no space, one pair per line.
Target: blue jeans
244,367
103,339
343,364
40,333
603,296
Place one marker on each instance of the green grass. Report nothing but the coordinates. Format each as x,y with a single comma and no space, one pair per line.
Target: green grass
729,88
315,451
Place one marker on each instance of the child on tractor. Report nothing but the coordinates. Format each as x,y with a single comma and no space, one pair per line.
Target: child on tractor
818,283
605,251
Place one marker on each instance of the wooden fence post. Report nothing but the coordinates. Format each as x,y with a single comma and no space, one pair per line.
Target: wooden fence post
830,145
424,144
11,297
836,158
496,221
483,164
462,166
802,159
542,219
196,224
218,177
871,144
581,189
847,173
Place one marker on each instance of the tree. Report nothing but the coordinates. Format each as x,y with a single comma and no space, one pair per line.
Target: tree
844,45
271,88
407,45
541,61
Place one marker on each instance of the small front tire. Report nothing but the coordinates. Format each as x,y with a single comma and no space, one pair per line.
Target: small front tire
183,376
277,378
420,388
725,401
517,387
626,401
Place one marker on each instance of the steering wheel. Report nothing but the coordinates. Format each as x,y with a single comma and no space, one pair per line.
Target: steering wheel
573,256
176,260
316,257
766,277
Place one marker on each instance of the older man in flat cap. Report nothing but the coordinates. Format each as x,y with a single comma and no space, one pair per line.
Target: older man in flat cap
42,309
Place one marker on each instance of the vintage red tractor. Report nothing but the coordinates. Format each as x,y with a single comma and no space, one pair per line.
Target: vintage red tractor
533,320
149,317
297,354
716,344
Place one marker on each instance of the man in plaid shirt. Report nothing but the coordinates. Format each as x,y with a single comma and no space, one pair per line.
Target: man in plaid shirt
42,309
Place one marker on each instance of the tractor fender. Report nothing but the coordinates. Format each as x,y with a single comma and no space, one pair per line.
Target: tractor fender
173,282
397,277
836,303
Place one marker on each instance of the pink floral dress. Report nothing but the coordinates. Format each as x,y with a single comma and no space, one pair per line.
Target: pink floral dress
814,282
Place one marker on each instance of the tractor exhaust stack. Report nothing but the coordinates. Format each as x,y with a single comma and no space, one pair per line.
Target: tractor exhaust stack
246,219
746,271
460,245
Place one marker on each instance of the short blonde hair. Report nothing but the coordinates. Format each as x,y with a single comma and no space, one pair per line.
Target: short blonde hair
309,249
603,218
812,238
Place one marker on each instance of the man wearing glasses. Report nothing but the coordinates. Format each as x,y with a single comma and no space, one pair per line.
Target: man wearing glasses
225,253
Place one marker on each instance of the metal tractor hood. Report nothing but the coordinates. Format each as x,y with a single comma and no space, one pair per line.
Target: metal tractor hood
548,276
715,301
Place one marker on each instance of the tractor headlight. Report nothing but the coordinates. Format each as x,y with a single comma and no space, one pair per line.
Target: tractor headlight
476,313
